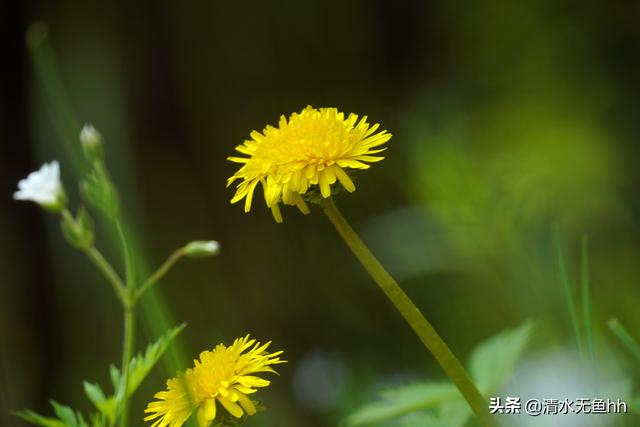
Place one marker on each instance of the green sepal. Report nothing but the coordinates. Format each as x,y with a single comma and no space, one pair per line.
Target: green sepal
99,191
79,231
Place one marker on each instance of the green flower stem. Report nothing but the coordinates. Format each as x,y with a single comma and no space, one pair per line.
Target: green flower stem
113,278
103,265
129,325
160,272
411,314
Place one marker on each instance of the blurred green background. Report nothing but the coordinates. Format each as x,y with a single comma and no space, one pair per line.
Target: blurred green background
509,119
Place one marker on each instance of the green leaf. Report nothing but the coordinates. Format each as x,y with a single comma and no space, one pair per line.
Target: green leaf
141,364
94,393
114,373
65,414
453,413
80,418
106,406
403,400
37,419
66,417
493,361
624,336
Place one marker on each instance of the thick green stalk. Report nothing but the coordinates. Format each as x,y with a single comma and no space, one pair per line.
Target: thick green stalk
420,325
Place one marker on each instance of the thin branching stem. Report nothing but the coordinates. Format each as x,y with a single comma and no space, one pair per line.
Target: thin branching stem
160,272
103,265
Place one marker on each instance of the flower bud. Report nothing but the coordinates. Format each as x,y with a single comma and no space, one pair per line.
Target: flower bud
91,141
79,230
201,248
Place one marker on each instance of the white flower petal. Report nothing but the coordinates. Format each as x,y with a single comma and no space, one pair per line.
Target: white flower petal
42,186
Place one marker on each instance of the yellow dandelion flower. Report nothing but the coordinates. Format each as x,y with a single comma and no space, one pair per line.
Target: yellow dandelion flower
225,375
311,150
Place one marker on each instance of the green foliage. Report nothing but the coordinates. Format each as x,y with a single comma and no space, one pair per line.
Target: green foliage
625,337
37,419
107,406
439,404
494,360
66,417
141,364
403,400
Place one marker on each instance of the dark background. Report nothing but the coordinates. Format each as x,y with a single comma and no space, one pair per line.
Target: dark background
508,118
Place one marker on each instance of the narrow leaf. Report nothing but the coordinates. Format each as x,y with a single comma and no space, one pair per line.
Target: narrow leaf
141,364
66,414
37,419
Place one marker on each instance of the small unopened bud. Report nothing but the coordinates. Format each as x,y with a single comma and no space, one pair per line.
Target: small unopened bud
201,248
78,231
91,141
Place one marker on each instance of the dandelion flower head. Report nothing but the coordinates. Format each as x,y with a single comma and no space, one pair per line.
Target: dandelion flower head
225,376
312,150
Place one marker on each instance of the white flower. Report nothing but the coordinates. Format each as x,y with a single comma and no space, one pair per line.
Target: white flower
200,248
43,187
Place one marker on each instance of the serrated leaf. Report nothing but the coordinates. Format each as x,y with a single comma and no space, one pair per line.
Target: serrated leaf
453,413
37,419
114,374
65,414
493,361
106,406
80,422
94,393
403,400
141,364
